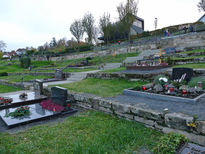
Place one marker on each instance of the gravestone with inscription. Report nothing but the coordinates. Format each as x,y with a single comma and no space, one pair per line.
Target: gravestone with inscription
59,74
59,95
38,87
190,148
177,73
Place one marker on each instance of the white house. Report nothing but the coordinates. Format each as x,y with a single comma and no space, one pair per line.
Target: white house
20,51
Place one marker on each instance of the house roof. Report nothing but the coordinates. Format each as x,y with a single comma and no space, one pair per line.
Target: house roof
201,17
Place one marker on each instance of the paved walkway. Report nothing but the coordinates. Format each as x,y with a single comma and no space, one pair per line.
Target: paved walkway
78,76
186,108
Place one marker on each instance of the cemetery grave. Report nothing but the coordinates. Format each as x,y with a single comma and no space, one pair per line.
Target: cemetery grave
29,107
174,89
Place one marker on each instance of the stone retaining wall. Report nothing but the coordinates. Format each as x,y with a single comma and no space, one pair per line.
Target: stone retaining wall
38,74
166,122
7,83
123,76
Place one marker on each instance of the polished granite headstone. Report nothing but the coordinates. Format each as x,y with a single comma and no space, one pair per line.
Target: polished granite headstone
192,149
178,72
59,95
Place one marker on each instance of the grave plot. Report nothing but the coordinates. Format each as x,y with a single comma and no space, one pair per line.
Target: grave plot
16,100
31,110
149,63
175,89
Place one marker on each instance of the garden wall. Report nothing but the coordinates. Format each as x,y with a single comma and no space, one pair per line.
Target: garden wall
165,122
38,74
123,76
7,83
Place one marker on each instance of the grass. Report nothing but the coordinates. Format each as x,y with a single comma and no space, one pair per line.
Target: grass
6,89
103,88
89,132
196,65
193,51
25,78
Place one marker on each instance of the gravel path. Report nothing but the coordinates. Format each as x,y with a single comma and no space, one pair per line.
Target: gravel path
186,108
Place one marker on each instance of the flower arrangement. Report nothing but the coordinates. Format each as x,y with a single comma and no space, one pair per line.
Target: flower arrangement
23,96
49,105
19,112
5,100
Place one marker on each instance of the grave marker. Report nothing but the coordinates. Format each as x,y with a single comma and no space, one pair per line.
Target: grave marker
59,95
177,73
38,87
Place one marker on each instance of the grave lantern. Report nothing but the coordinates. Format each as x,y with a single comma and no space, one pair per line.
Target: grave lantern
171,89
199,84
143,88
54,109
184,92
68,105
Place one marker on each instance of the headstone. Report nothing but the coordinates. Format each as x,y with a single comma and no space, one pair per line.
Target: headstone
192,148
59,95
59,74
38,87
177,73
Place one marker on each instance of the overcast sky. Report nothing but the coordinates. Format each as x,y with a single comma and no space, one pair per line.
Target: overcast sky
34,22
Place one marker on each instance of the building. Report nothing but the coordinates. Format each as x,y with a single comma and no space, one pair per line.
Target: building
19,52
202,19
137,26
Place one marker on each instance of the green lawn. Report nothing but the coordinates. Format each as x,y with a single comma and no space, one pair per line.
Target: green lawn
6,89
193,51
89,132
25,78
103,88
199,65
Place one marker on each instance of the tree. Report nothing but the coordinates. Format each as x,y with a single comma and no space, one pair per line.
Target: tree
53,43
2,45
88,24
77,30
201,5
104,25
1,54
131,7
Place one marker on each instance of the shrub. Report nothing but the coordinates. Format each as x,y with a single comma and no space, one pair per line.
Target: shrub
3,74
169,61
170,143
25,61
194,81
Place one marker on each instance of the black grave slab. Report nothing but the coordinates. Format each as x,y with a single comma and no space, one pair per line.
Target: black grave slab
178,72
192,149
37,114
32,98
59,95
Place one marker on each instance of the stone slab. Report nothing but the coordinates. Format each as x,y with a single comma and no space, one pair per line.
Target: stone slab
37,113
192,149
